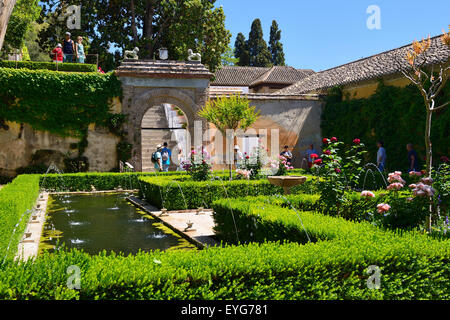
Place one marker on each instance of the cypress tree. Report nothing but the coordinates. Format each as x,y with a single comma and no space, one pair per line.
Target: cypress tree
241,50
257,47
275,45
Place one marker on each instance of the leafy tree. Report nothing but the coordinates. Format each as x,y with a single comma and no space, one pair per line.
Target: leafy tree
275,45
241,50
257,47
230,113
25,12
115,25
31,37
228,58
6,8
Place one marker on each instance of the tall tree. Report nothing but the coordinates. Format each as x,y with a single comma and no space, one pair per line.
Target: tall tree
6,8
275,45
111,25
24,14
228,58
257,47
241,50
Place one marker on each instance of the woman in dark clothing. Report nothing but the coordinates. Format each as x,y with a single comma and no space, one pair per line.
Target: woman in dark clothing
413,159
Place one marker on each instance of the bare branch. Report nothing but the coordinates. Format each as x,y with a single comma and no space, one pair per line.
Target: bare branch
441,106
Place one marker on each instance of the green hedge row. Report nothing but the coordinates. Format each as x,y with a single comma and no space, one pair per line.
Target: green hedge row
100,181
180,192
57,102
333,267
15,199
35,65
404,214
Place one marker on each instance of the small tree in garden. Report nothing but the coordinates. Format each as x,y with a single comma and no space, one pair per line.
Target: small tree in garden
229,113
430,81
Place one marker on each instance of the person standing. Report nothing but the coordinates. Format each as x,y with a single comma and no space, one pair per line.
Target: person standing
57,54
287,154
166,154
238,157
79,50
68,48
156,158
381,156
413,159
310,152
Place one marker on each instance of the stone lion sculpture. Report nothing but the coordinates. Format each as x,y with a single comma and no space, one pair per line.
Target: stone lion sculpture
194,56
132,54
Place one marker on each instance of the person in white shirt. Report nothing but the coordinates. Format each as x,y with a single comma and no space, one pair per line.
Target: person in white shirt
238,157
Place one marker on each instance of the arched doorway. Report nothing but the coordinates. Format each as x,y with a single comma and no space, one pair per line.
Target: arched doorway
163,123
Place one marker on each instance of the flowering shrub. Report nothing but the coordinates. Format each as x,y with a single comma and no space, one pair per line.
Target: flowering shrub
339,171
254,161
259,164
243,174
199,166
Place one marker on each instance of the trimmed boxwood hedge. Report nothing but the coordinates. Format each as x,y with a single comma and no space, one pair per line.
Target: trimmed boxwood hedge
180,192
100,181
15,199
35,65
333,266
412,266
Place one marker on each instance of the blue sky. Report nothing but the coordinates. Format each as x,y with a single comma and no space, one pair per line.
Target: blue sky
321,34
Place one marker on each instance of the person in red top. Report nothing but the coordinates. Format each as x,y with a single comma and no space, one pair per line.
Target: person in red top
57,54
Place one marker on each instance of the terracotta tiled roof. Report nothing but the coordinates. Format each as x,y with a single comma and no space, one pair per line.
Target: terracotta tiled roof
251,76
163,68
382,64
237,76
282,75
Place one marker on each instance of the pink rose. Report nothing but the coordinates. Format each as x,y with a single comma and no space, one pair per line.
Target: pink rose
357,141
368,194
383,207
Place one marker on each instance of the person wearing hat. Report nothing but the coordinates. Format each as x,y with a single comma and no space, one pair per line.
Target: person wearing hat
68,48
238,157
57,54
156,158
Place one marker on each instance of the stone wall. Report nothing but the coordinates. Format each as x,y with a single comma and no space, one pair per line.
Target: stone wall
292,121
19,143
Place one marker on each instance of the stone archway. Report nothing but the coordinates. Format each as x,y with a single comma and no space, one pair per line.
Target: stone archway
149,83
162,123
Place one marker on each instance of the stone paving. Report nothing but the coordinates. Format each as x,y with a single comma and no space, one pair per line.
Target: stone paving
202,230
29,245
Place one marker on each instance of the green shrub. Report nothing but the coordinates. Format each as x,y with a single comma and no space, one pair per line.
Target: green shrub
333,266
100,181
35,65
412,267
404,214
394,115
180,192
15,199
60,103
